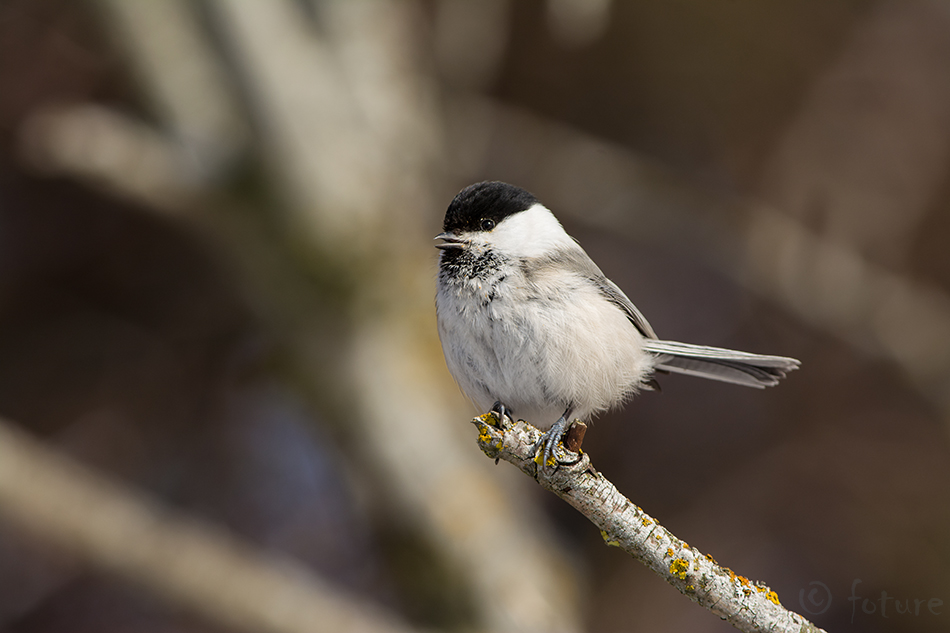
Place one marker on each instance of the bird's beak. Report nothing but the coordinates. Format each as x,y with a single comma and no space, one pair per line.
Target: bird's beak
450,241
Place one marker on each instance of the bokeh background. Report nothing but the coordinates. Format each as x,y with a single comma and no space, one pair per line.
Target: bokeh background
216,296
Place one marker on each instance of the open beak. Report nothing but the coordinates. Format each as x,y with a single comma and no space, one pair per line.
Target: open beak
450,241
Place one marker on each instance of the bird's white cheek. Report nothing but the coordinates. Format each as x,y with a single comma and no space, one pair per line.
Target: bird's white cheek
532,233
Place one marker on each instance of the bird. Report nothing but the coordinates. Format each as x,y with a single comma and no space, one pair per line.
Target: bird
530,326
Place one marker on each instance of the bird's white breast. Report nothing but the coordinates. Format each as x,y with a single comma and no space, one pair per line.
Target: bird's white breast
538,339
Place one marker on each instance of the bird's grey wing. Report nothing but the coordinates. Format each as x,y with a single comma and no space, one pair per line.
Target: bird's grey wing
716,363
580,263
615,295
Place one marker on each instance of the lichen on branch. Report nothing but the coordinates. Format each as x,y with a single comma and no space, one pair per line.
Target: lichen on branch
748,605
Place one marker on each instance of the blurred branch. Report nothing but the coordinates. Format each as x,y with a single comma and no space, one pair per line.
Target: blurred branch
748,606
200,131
351,128
106,147
193,565
185,82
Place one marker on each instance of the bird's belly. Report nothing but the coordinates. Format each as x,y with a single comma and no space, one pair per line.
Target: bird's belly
540,355
496,355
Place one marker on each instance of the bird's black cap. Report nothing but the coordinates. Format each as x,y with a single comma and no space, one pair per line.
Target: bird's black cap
490,200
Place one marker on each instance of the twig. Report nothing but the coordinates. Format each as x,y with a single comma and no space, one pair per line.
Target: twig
747,605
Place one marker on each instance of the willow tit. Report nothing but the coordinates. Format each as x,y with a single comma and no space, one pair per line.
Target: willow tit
530,325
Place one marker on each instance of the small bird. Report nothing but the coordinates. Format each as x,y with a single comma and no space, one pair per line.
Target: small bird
531,327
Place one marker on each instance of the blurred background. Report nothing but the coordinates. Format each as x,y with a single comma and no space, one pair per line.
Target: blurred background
216,296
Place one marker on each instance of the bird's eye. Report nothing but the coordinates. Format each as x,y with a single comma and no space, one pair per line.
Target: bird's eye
488,224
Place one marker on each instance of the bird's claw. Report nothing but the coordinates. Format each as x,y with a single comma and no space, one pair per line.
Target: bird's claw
501,411
547,445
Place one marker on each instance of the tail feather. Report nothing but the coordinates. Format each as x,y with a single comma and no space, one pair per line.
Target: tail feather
714,363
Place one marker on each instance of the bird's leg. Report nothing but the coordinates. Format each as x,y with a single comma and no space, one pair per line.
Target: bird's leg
549,440
503,411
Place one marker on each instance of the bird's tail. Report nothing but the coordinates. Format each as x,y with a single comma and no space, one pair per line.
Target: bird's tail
715,363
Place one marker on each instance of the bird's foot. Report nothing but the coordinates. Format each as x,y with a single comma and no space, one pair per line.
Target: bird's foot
547,445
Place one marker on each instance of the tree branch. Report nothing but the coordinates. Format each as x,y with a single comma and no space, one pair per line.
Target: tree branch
747,605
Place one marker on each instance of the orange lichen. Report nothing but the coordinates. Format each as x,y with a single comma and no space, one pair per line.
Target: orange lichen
772,597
